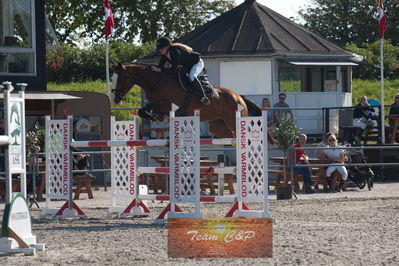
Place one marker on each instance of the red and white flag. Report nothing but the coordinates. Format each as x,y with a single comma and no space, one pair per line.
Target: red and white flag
382,19
109,20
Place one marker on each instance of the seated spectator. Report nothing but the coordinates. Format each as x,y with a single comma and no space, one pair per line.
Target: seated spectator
279,113
336,156
81,160
302,158
266,106
362,114
320,153
394,110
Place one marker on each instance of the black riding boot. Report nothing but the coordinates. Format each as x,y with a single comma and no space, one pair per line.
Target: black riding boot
198,87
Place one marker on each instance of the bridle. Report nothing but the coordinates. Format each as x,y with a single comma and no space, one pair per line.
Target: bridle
122,76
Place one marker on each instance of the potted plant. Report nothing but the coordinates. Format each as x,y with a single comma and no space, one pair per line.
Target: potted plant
285,135
34,140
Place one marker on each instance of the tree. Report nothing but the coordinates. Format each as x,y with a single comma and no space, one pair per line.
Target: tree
285,135
350,21
370,67
135,20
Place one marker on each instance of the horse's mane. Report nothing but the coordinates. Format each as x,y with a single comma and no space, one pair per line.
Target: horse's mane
137,63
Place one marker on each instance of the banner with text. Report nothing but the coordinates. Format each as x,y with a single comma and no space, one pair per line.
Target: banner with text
220,238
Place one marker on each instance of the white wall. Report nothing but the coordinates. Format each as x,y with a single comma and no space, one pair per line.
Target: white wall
247,77
311,121
212,67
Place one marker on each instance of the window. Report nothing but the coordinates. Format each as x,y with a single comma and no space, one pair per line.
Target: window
312,77
17,38
290,78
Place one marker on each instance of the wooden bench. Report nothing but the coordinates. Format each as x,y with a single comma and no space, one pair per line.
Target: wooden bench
350,132
15,186
318,180
83,185
207,181
155,182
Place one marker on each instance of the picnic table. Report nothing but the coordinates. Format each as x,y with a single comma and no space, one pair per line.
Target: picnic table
206,182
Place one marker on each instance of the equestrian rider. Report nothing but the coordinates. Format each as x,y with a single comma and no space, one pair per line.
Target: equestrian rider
178,55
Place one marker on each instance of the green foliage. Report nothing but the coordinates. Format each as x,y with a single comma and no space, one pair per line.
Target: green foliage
131,99
290,85
371,89
369,68
75,20
71,64
35,138
285,134
350,21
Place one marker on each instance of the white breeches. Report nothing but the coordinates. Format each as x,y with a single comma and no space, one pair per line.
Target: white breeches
341,169
196,69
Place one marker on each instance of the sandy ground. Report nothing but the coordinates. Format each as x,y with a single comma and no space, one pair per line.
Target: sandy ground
355,227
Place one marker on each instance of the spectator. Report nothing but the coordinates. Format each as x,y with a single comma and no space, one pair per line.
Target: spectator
302,158
362,114
394,110
336,156
320,153
266,106
279,113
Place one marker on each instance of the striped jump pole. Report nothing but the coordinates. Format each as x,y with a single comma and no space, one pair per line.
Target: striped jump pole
141,143
125,173
203,170
251,170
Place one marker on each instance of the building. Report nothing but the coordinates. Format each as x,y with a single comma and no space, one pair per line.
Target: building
22,42
259,53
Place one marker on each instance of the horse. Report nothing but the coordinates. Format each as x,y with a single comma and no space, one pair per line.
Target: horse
163,89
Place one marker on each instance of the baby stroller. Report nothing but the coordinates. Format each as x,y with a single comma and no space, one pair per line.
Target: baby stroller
359,175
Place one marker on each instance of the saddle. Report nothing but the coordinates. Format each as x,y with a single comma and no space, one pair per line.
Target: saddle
186,84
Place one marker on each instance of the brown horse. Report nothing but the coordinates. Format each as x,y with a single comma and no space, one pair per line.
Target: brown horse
162,90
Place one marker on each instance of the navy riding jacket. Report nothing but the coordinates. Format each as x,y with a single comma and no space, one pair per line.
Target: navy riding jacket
360,111
178,57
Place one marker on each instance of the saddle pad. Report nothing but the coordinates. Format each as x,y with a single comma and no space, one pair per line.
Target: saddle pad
187,86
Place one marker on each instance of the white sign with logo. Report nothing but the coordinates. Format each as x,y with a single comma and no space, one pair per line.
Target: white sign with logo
15,132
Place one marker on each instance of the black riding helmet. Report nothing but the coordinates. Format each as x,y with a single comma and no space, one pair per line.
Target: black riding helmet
163,42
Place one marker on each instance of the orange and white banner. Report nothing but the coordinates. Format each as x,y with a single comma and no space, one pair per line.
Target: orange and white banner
220,238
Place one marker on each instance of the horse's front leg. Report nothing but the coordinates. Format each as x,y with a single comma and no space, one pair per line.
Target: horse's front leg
150,113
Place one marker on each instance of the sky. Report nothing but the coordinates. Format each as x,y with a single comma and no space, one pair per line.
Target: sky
287,8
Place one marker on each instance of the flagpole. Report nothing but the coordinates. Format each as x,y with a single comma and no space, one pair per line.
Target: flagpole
382,90
107,68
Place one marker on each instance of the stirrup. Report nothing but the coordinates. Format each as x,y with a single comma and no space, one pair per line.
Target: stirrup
205,100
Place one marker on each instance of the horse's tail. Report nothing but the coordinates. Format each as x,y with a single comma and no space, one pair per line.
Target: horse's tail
253,108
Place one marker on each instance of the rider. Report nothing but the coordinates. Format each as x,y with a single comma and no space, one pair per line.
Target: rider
177,55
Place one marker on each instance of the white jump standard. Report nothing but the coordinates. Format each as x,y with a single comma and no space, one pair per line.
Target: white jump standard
184,169
16,235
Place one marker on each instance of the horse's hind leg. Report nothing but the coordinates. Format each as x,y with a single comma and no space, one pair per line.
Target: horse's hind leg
219,129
